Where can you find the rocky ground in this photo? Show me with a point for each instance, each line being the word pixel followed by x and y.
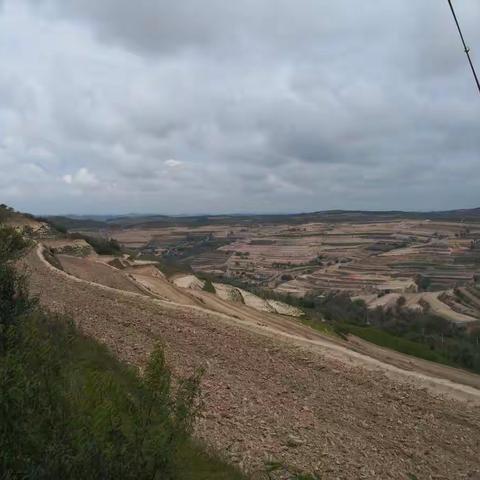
pixel 267 398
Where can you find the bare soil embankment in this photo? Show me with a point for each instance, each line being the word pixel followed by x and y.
pixel 88 269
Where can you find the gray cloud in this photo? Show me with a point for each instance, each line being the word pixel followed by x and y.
pixel 265 105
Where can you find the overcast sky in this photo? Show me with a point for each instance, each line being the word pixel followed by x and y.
pixel 214 106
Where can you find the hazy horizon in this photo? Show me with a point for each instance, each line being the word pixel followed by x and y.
pixel 238 213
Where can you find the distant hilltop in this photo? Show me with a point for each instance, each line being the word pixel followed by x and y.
pixel 130 220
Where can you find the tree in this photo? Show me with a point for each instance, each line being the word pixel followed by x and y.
pixel 208 286
pixel 423 282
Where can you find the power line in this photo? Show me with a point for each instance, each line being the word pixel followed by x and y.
pixel 467 49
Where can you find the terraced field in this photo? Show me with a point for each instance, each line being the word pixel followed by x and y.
pixel 275 389
pixel 370 258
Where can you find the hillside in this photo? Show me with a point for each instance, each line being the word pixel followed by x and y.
pixel 273 390
pixel 282 394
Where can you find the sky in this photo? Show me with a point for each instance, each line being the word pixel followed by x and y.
pixel 213 106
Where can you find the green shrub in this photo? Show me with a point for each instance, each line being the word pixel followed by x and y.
pixel 423 282
pixel 12 243
pixel 61 228
pixel 6 212
pixel 208 286
pixel 68 410
pixel 101 245
pixel 14 300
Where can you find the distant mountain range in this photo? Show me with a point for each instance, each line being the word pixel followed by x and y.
pixel 133 220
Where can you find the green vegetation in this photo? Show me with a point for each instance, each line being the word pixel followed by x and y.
pixel 423 283
pixel 323 327
pixel 421 334
pixel 56 226
pixel 70 410
pixel 170 266
pixel 59 227
pixel 208 286
pixel 5 212
pixel 403 345
pixel 14 300
pixel 101 245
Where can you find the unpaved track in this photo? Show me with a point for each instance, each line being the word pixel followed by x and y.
pixel 348 421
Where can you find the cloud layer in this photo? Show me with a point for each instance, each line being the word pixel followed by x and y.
pixel 213 106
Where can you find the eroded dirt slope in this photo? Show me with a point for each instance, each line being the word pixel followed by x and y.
pixel 87 268
pixel 269 398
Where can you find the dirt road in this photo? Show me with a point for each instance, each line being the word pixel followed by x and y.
pixel 274 393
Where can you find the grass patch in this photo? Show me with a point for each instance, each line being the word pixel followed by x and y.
pixel 399 344
pixel 208 286
pixel 321 327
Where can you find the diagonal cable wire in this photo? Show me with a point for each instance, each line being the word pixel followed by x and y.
pixel 467 49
